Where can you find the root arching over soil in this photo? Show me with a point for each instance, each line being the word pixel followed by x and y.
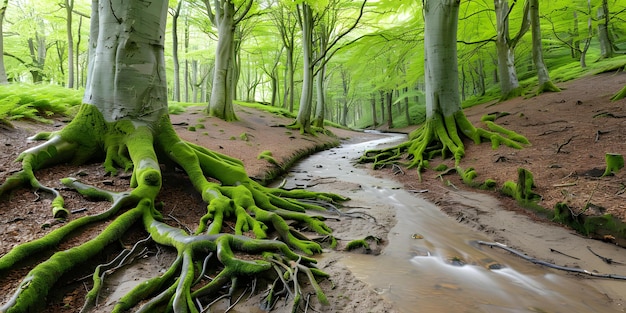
pixel 440 135
pixel 232 198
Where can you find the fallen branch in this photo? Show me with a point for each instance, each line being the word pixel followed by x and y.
pixel 563 145
pixel 548 264
pixel 551 131
pixel 604 259
pixel 565 254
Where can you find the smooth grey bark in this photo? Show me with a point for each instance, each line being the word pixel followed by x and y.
pixel 128 79
pixel 303 119
pixel 441 67
pixel 604 37
pixel 3 73
pixel 306 21
pixel 69 7
pixel 545 83
pixel 176 86
pixel 286 25
pixel 373 103
pixel 222 15
pixel 389 104
pixel 505 49
pixel 323 35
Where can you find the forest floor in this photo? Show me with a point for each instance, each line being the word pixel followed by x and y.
pixel 569 132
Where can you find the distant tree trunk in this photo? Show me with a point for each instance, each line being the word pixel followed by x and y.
pixel 320 108
pixel 345 84
pixel 175 14
pixel 373 103
pixel 69 6
pixel 382 106
pixel 79 73
pixel 574 41
pixel 186 74
pixel 545 84
pixel 322 38
pixel 290 84
pixel 606 45
pixel 3 73
pixel 406 107
pixel 389 98
pixel 194 81
pixel 37 48
pixel 505 50
pixel 583 52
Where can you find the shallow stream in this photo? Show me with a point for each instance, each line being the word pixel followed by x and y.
pixel 431 262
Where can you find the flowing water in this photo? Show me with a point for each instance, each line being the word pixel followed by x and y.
pixel 431 262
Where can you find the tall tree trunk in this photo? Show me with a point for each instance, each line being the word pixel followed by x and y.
pixel 221 103
pixel 3 73
pixel 175 14
pixel 383 117
pixel 128 81
pixel 186 73
pixel 69 6
pixel 303 119
pixel 545 84
pixel 407 116
pixel 322 38
pixel 320 108
pixel 606 45
pixel 441 67
pixel 373 103
pixel 505 50
pixel 389 98
pixel 79 72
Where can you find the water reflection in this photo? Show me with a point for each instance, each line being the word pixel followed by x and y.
pixel 431 263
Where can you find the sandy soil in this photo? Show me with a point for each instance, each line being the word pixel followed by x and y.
pixel 569 133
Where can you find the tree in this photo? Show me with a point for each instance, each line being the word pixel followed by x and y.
pixel 545 84
pixel 3 73
pixel 445 120
pixel 225 17
pixel 505 47
pixel 604 34
pixel 286 24
pixel 307 20
pixel 69 6
pixel 124 117
pixel 175 12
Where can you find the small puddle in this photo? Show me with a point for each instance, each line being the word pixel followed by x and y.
pixel 431 264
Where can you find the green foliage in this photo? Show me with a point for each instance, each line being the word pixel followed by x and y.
pixel 267 108
pixel 36 102
pixel 179 107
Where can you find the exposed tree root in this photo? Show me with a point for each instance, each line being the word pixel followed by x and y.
pixel 440 135
pixel 129 145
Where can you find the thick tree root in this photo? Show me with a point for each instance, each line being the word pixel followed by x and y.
pixel 440 135
pixel 255 209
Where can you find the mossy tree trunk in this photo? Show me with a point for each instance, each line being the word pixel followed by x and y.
pixel 445 120
pixel 124 117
